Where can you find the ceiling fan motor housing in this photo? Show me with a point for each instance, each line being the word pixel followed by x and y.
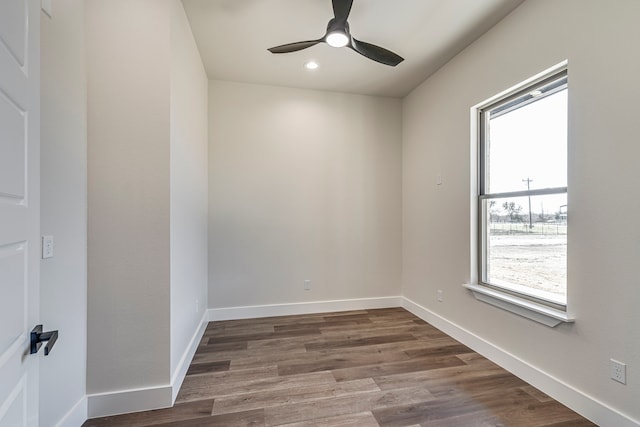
pixel 338 35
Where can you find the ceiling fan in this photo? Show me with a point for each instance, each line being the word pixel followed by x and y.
pixel 338 35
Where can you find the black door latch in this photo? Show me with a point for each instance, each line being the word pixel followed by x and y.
pixel 38 337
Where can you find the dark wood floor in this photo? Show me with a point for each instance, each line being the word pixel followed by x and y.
pixel 359 368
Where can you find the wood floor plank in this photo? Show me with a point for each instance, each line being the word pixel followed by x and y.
pixel 350 356
pixel 276 345
pixel 215 347
pixel 529 416
pixel 361 419
pixel 413 365
pixel 283 351
pixel 473 419
pixel 475 359
pixel 261 336
pixel 342 313
pixel 202 387
pixel 359 342
pixel 297 412
pixel 444 350
pixel 433 377
pixel 181 413
pixel 337 317
pixel 283 319
pixel 581 422
pixel 280 345
pixel 292 395
pixel 475 386
pixel 239 330
pixel 202 356
pixel 538 415
pixel 394 347
pixel 357 331
pixel 208 368
pixel 317 325
pixel 318 363
pixel 428 331
pixel 327 328
pixel 513 407
pixel 536 393
pixel 236 419
pixel 346 369
pixel 386 313
pixel 435 410
pixel 325 322
pixel 198 387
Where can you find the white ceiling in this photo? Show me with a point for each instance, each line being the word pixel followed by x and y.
pixel 233 37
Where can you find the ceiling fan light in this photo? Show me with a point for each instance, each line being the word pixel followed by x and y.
pixel 337 39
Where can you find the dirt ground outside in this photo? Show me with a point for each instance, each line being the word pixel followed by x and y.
pixel 535 258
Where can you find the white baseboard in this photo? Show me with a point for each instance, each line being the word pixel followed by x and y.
pixel 252 312
pixel 185 361
pixel 125 401
pixel 144 399
pixel 76 415
pixel 585 405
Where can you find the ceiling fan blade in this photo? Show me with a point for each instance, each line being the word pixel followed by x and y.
pixel 341 10
pixel 293 47
pixel 376 53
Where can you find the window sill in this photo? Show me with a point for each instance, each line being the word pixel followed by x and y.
pixel 537 312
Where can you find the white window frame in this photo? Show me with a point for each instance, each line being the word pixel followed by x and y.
pixel 540 310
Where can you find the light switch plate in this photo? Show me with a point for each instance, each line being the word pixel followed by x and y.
pixel 47 247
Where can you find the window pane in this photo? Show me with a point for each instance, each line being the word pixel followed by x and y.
pixel 526 250
pixel 527 147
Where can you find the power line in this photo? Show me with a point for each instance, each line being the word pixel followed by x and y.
pixel 529 181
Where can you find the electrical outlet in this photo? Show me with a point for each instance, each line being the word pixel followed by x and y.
pixel 197 306
pixel 439 295
pixel 307 285
pixel 618 371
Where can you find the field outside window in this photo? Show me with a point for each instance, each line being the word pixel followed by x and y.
pixel 523 192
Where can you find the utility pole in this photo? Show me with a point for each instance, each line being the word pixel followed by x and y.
pixel 529 181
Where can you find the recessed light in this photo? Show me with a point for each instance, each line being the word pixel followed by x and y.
pixel 535 93
pixel 311 65
pixel 337 39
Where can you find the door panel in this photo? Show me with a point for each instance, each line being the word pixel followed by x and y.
pixel 14 411
pixel 12 304
pixel 12 163
pixel 19 209
pixel 13 28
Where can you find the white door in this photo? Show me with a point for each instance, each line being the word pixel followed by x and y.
pixel 19 209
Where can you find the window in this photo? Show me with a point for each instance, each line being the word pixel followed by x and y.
pixel 522 198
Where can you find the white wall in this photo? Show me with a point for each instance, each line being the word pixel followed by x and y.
pixel 188 199
pixel 598 39
pixel 302 185
pixel 147 106
pixel 128 59
pixel 63 279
